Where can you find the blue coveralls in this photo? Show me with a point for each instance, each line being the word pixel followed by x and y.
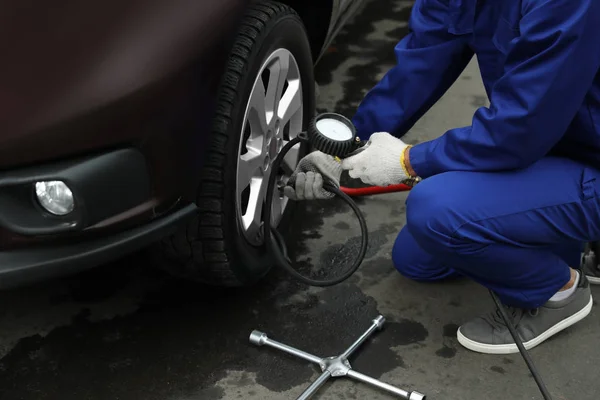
pixel 509 200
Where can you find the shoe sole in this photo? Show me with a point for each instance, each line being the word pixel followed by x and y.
pixel 512 348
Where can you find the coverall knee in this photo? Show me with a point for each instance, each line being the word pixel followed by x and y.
pixel 514 232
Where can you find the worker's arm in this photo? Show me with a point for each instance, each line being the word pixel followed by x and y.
pixel 550 67
pixel 429 59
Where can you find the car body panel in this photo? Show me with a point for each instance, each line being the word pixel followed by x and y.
pixel 75 58
pixel 87 76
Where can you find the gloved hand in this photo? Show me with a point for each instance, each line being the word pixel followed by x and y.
pixel 306 183
pixel 379 162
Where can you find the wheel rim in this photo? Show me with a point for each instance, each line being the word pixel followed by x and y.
pixel 273 116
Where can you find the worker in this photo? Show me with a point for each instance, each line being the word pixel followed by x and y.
pixel 509 200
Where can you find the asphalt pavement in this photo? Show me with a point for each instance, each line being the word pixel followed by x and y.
pixel 125 331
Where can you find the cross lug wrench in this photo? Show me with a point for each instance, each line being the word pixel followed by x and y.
pixel 336 366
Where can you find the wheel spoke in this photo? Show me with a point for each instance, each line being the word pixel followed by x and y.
pixel 291 102
pixel 277 78
pixel 257 113
pixel 253 217
pixel 291 159
pixel 248 165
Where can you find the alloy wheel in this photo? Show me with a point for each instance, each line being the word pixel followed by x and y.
pixel 273 116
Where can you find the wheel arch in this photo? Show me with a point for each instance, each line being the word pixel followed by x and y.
pixel 317 18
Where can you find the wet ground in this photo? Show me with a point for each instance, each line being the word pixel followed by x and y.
pixel 126 332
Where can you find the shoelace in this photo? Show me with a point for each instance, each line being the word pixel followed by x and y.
pixel 515 314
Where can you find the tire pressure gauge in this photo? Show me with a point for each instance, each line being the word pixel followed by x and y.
pixel 333 134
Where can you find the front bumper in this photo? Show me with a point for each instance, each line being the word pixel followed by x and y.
pixel 28 265
pixel 116 212
pixel 104 186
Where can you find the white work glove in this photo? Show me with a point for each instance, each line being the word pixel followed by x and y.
pixel 378 163
pixel 306 183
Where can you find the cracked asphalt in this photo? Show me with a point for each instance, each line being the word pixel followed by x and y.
pixel 125 331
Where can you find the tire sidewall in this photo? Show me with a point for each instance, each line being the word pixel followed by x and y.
pixel 249 262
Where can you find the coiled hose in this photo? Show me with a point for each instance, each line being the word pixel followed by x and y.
pixel 274 241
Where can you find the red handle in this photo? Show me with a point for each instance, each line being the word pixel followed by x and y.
pixel 371 190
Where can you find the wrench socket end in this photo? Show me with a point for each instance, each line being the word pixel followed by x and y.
pixel 258 338
pixel 416 396
pixel 379 321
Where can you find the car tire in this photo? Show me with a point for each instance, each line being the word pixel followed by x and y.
pixel 217 248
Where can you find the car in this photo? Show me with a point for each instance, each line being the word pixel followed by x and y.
pixel 127 126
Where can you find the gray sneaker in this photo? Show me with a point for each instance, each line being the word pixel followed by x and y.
pixel 489 334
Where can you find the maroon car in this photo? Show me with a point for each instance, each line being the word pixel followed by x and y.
pixel 131 123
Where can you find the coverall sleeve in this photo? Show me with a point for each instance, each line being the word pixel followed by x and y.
pixel 428 60
pixel 549 69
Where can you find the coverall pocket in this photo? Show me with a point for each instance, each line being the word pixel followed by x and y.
pixel 589 183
